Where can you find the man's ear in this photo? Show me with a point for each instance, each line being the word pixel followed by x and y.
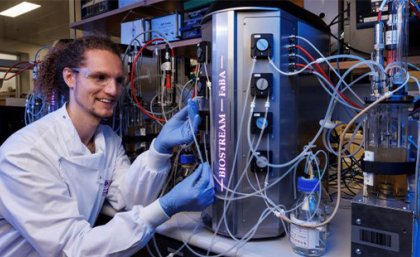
pixel 69 77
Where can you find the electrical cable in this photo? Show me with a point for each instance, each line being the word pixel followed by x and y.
pixel 332 68
pixel 320 77
pixel 28 66
pixel 334 95
pixel 343 175
pixel 133 88
pixel 332 22
pixel 326 76
pixel 380 10
pixel 350 47
pixel 322 84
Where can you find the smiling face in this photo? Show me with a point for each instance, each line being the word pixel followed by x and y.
pixel 96 85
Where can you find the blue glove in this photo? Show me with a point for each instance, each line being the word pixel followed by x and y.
pixel 194 193
pixel 177 130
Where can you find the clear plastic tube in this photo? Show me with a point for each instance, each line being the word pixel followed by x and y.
pixel 380 69
pixel 322 78
pixel 235 155
pixel 327 144
pixel 333 95
pixel 414 67
pixel 338 97
pixel 246 195
pixel 306 148
pixel 417 82
pixel 330 65
pixel 364 111
pixel 261 191
pixel 381 7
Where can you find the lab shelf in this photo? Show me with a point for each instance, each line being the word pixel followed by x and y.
pixel 109 22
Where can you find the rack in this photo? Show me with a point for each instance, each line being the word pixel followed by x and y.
pixel 109 22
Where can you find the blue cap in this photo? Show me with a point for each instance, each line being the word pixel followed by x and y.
pixel 187 159
pixel 308 184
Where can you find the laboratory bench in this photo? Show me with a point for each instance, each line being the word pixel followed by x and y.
pixel 180 228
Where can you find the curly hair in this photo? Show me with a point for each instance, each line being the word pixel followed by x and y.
pixel 67 53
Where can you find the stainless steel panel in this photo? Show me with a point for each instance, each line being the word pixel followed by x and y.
pixel 231 71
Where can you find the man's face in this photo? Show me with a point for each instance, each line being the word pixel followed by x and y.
pixel 98 84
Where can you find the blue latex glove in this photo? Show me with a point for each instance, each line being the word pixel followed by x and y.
pixel 194 193
pixel 177 130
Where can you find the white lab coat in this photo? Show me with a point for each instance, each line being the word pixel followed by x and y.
pixel 52 189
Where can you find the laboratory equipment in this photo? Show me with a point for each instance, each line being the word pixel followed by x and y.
pixel 187 163
pixel 91 8
pixel 130 29
pixel 311 210
pixel 244 36
pixel 384 216
pixel 168 26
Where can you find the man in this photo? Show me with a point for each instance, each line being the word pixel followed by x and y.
pixel 56 173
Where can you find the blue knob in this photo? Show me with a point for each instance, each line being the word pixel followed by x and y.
pixel 262 44
pixel 262 123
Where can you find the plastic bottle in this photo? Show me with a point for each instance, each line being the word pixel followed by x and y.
pixel 310 210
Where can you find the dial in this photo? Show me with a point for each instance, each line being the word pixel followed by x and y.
pixel 262 84
pixel 262 44
pixel 261 162
pixel 262 123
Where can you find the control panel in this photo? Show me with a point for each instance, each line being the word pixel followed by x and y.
pixel 261 84
pixel 261 45
pixel 260 164
pixel 259 122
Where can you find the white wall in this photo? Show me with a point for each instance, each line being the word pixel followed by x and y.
pixel 328 7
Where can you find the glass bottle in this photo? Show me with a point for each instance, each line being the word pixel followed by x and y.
pixel 309 210
pixel 187 164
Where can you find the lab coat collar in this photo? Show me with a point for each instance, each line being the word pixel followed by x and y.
pixel 77 152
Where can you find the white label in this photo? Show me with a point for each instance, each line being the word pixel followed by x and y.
pixel 307 238
pixel 142 131
pixel 368 178
pixel 369 156
pixel 374 18
pixel 391 37
pixel 369 19
pixel 166 66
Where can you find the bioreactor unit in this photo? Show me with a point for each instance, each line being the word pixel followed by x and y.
pixel 385 216
pixel 255 111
